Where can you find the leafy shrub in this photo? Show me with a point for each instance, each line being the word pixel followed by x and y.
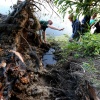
pixel 88 45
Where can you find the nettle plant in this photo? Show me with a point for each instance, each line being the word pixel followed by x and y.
pixel 88 45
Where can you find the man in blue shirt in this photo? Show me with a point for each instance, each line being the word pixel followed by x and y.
pixel 76 27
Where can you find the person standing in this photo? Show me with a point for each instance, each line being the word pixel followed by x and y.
pixel 92 20
pixel 76 27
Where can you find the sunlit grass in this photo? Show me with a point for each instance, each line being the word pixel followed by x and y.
pixel 62 38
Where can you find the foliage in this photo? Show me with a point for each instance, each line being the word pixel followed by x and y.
pixel 78 6
pixel 88 45
pixel 92 71
pixel 89 67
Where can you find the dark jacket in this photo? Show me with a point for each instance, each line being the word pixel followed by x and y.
pixel 76 26
pixel 86 20
pixel 85 23
pixel 97 25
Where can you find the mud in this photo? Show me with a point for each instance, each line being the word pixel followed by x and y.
pixel 22 73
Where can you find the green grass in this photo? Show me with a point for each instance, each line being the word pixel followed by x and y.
pixel 88 45
pixel 61 38
pixel 57 38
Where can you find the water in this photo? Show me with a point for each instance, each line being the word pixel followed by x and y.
pixel 66 25
pixel 48 58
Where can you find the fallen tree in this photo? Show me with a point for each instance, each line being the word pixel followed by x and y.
pixel 17 41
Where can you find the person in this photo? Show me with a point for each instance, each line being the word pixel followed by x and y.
pixel 76 27
pixel 97 25
pixel 85 23
pixel 92 20
pixel 47 24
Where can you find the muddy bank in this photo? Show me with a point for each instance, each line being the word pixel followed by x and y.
pixel 60 82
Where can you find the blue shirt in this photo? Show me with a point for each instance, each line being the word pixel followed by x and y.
pixel 76 28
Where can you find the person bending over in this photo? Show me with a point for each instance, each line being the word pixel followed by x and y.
pixel 47 24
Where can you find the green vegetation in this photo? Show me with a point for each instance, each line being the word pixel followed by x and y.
pixel 91 69
pixel 78 6
pixel 88 45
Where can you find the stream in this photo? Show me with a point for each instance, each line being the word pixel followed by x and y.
pixel 48 58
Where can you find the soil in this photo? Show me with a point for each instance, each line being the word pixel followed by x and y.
pixel 62 81
pixel 22 73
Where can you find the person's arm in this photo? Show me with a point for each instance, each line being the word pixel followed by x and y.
pixel 52 27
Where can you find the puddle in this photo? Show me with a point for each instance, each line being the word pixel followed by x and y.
pixel 48 58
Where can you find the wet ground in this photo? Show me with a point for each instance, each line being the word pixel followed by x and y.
pixel 49 58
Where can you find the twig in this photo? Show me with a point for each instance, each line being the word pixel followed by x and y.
pixel 26 42
pixel 36 6
pixel 41 4
pixel 52 9
pixel 80 66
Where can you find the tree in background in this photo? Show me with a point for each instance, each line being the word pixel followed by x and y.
pixel 83 7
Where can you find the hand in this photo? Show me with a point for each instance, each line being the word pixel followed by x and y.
pixel 61 29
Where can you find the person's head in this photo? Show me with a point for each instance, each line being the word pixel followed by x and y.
pixel 50 22
pixel 94 16
pixel 71 17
